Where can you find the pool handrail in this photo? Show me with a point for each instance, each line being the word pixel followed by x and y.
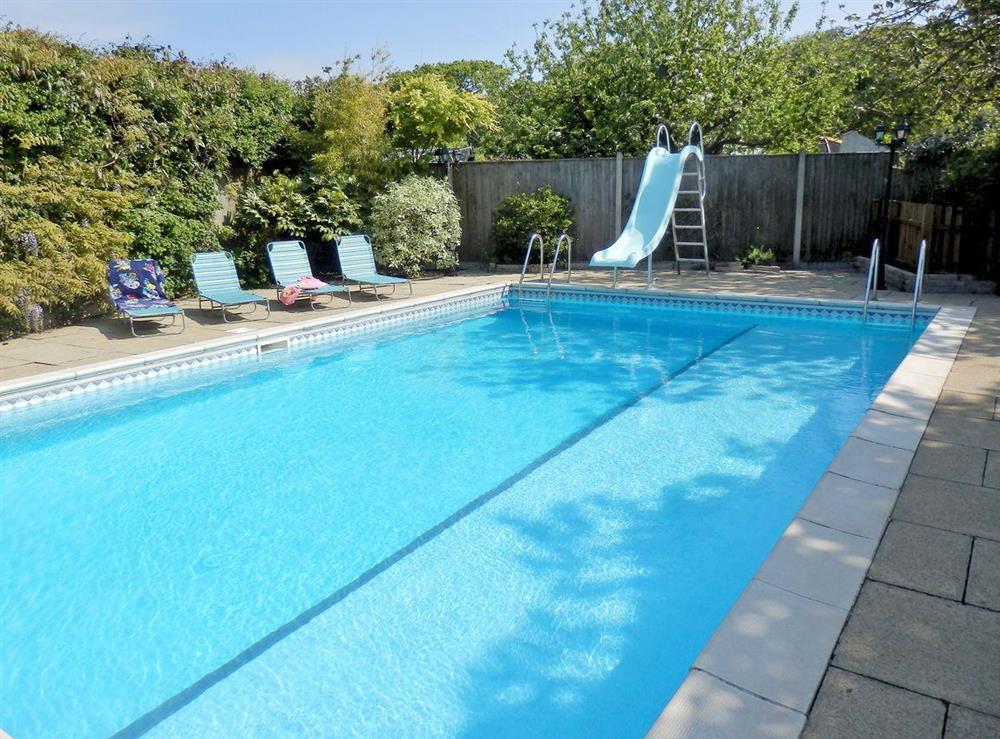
pixel 871 282
pixel 569 261
pixel 918 280
pixel 535 236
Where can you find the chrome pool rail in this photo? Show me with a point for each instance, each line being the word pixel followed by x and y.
pixel 696 129
pixel 918 280
pixel 662 128
pixel 871 284
pixel 569 261
pixel 527 255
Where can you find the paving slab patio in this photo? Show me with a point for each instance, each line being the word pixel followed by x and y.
pixel 953 506
pixel 991 475
pixel 955 462
pixel 925 644
pixel 922 558
pixel 850 706
pixel 984 576
pixel 925 629
pixel 965 724
pixel 968 405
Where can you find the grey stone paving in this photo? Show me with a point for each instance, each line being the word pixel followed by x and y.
pixel 922 558
pixel 919 655
pixel 984 575
pixel 950 461
pixel 925 644
pixel 966 724
pixel 855 707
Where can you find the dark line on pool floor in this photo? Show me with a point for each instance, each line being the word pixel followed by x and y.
pixel 177 701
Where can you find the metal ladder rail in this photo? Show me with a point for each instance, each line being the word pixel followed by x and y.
pixel 871 281
pixel 527 255
pixel 693 133
pixel 569 262
pixel 918 280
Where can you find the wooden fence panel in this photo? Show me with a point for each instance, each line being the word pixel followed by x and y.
pixel 750 200
pixel 839 190
pixel 589 183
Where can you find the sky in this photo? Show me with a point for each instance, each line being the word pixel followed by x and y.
pixel 297 38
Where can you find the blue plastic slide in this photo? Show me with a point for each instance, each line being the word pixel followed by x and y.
pixel 654 202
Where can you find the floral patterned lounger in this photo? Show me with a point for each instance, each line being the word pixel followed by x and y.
pixel 136 287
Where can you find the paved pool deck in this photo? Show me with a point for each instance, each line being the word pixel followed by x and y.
pixel 919 655
pixel 104 339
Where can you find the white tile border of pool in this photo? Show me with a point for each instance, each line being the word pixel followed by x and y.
pixel 46 387
pixel 60 384
pixel 882 311
pixel 760 671
pixel 761 668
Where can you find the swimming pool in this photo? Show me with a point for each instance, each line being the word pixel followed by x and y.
pixel 513 521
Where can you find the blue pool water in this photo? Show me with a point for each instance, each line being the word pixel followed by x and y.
pixel 517 524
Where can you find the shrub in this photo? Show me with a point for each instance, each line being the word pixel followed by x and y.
pixel 116 153
pixel 415 226
pixel 518 216
pixel 277 206
pixel 59 224
pixel 757 255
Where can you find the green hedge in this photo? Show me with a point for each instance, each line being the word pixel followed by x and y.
pixel 117 153
pixel 518 216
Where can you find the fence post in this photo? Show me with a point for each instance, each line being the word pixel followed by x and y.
pixel 800 192
pixel 618 195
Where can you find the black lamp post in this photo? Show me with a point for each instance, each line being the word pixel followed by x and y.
pixel 893 139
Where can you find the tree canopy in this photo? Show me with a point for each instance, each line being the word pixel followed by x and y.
pixel 133 149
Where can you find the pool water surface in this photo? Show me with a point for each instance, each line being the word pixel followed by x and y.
pixel 524 522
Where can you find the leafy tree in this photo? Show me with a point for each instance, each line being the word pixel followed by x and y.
pixel 937 61
pixel 477 76
pixel 597 81
pixel 347 136
pixel 426 113
pixel 117 152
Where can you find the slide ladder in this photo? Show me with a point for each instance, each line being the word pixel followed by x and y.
pixel 671 195
pixel 689 231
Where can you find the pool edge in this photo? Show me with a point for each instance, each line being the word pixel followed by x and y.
pixel 788 618
pixel 45 387
pixel 60 384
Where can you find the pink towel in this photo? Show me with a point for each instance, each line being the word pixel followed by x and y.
pixel 309 283
pixel 289 295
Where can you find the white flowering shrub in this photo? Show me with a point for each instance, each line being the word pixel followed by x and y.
pixel 415 226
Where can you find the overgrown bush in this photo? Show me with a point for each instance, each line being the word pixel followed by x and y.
pixel 278 206
pixel 59 225
pixel 415 226
pixel 518 216
pixel 116 153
